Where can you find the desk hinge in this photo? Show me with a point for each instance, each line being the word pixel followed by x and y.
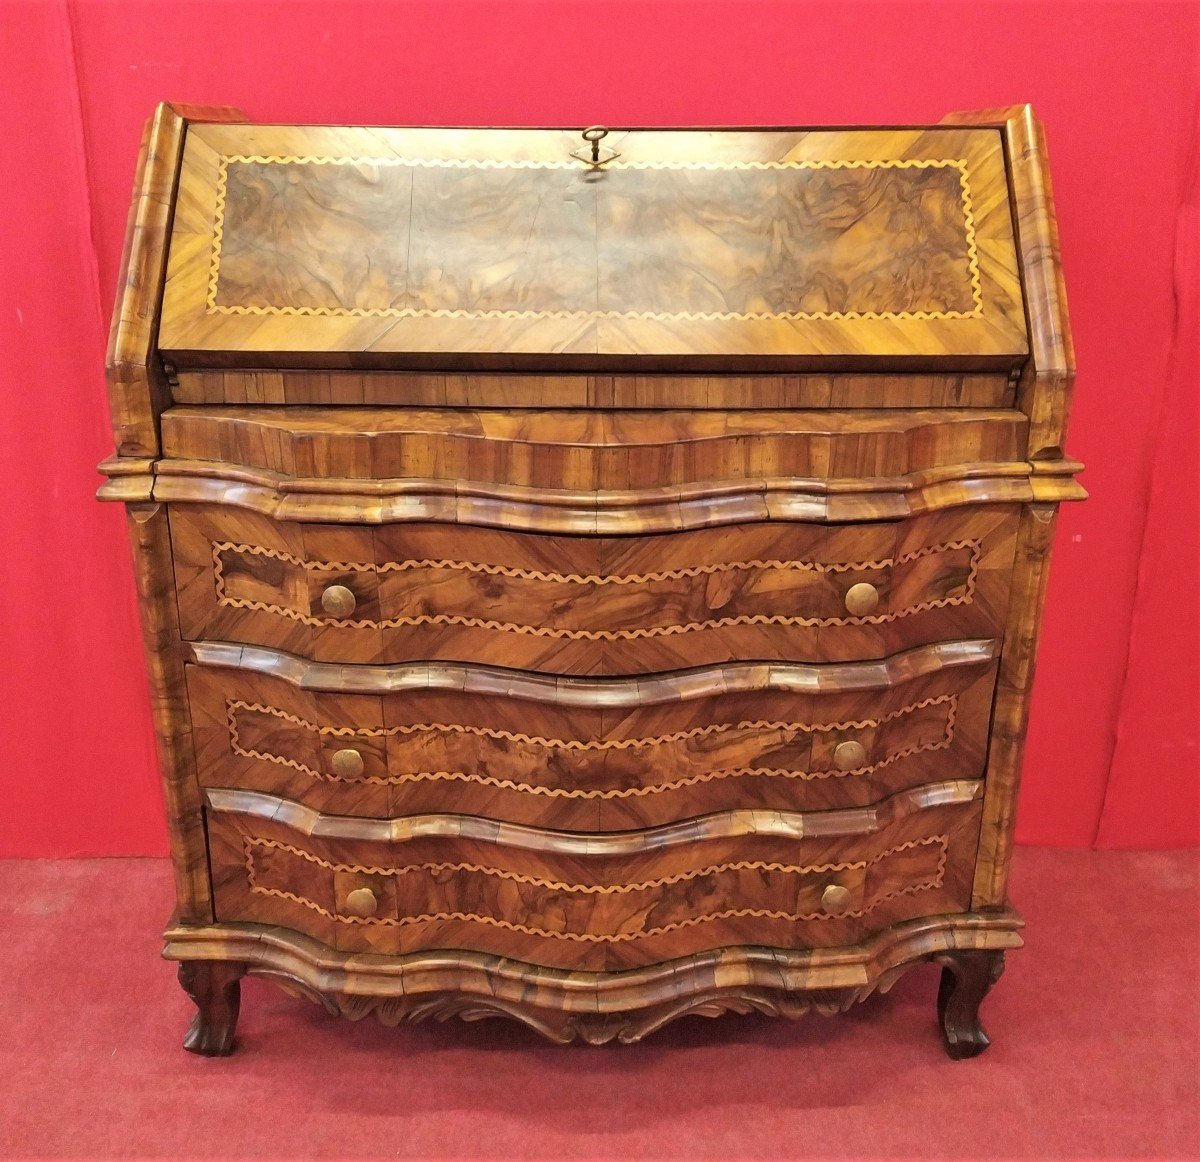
pixel 171 372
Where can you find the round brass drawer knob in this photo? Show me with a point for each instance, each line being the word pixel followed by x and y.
pixel 849 755
pixel 362 902
pixel 338 601
pixel 862 598
pixel 835 899
pixel 348 763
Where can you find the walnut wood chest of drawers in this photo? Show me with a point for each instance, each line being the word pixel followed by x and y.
pixel 590 578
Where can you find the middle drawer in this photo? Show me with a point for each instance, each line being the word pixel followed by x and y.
pixel 591 605
pixel 608 754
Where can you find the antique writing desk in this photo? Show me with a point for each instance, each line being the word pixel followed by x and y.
pixel 590 578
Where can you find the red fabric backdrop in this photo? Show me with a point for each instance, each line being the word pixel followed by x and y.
pixel 1116 86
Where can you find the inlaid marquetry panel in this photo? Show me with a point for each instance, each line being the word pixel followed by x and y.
pixel 328 246
pixel 578 257
pixel 605 763
pixel 546 900
pixel 590 605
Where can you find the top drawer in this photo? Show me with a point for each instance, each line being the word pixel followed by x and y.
pixel 816 256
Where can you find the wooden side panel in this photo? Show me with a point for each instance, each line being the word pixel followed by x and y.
pixel 150 539
pixel 1046 383
pixel 1011 716
pixel 137 387
pixel 1048 379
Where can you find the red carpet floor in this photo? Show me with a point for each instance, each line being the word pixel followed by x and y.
pixel 1095 1031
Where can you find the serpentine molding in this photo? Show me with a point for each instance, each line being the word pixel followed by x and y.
pixel 719 825
pixel 592 1007
pixel 594 693
pixel 534 509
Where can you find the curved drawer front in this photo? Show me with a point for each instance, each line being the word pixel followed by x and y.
pixel 609 754
pixel 558 899
pixel 775 591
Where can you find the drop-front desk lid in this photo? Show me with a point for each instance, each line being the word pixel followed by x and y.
pixel 781 249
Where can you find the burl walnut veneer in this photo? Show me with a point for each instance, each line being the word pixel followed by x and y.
pixel 590 579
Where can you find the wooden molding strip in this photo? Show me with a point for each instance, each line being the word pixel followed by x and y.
pixel 280 954
pixel 648 690
pixel 722 825
pixel 595 512
pixel 175 474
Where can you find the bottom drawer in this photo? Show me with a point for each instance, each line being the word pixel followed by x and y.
pixel 569 900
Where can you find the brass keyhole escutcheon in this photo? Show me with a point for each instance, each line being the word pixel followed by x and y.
pixel 594 155
pixel 595 134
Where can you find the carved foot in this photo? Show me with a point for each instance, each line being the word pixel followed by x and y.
pixel 966 978
pixel 215 987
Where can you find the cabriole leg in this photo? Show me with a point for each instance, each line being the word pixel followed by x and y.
pixel 215 987
pixel 966 978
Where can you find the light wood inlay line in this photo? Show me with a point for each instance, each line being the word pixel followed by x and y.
pixel 970 256
pixel 782 729
pixel 964 597
pixel 527 508
pixel 934 881
pixel 518 573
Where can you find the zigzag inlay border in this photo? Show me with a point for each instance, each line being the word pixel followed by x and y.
pixel 975 546
pixel 934 881
pixel 233 706
pixel 211 306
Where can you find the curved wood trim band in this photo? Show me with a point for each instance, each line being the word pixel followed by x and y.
pixel 595 513
pixel 276 952
pixel 650 690
pixel 722 825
